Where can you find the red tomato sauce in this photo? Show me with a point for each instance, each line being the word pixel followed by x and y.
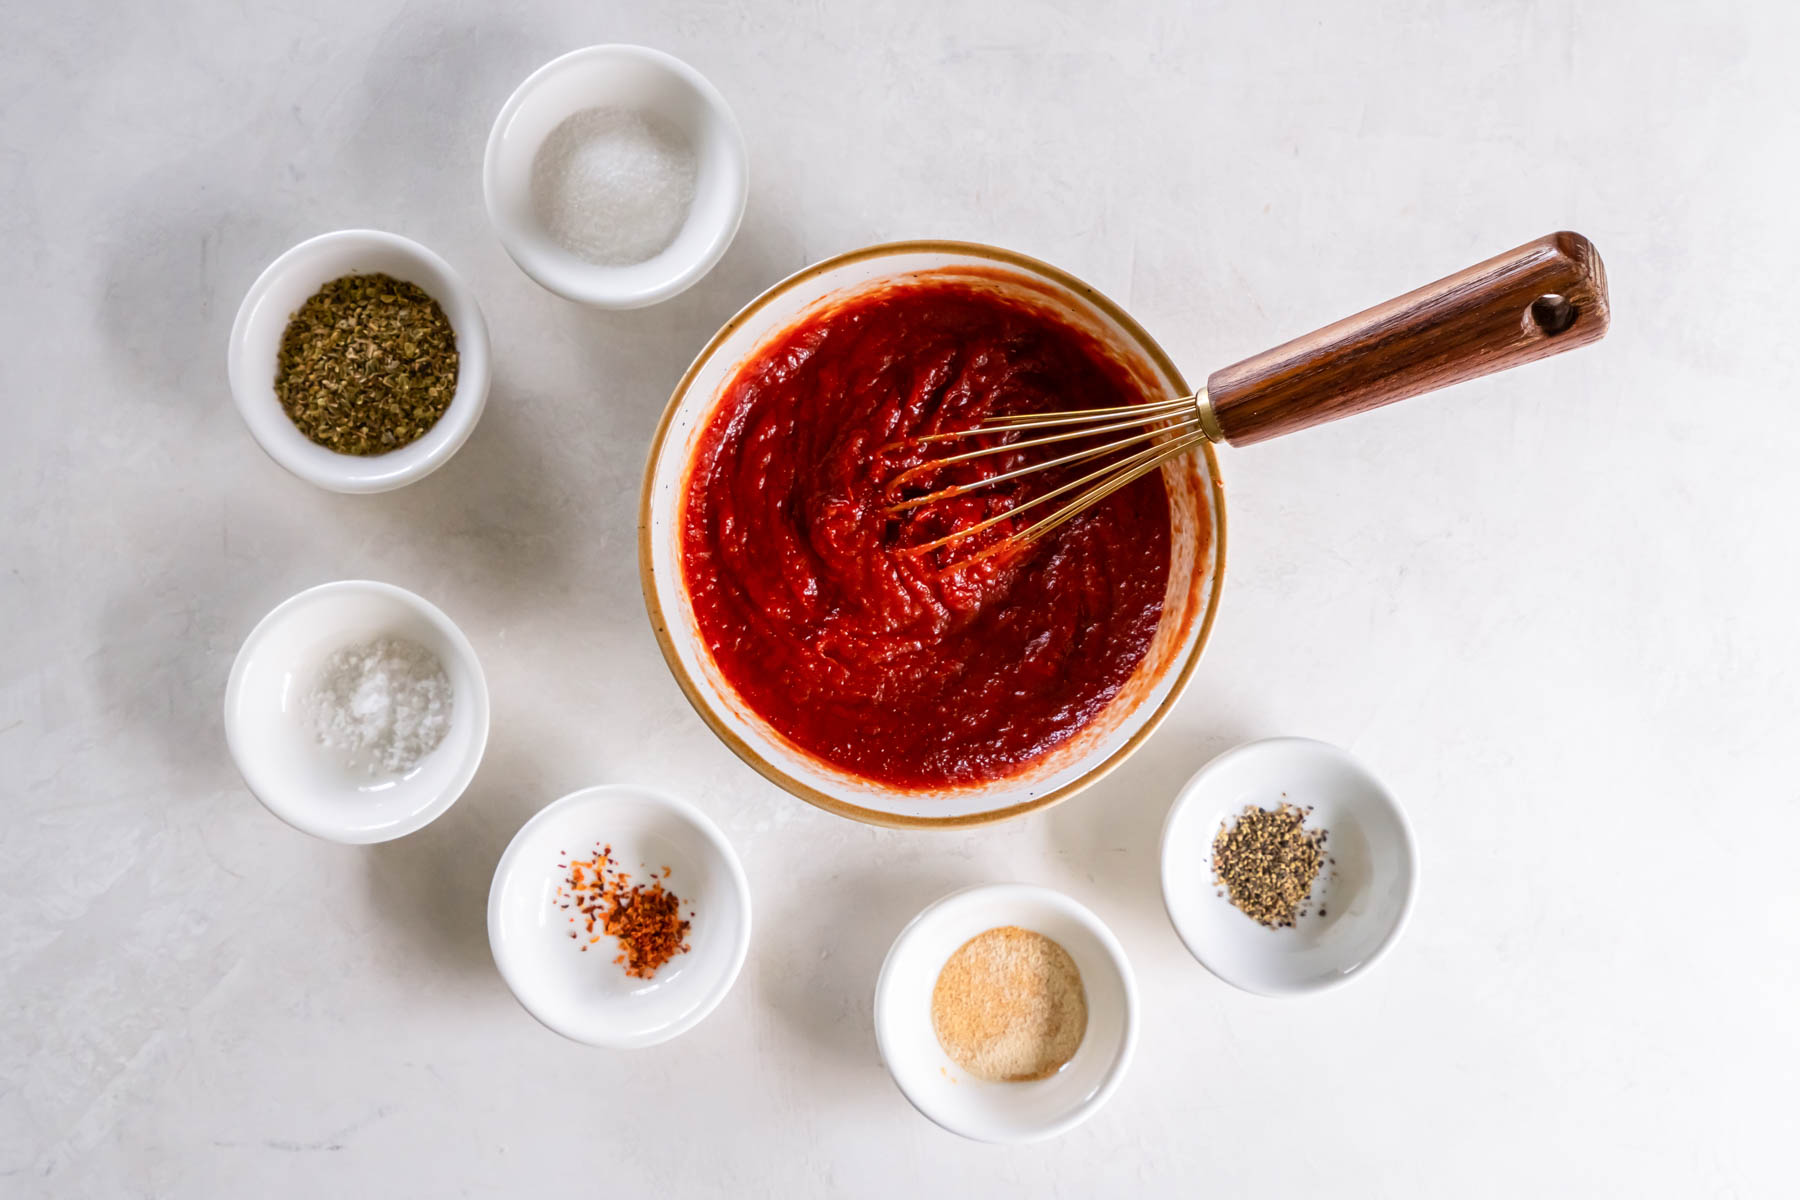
pixel 915 670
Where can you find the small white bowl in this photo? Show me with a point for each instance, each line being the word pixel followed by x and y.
pixel 585 996
pixel 628 77
pixel 1366 887
pixel 1004 1112
pixel 262 319
pixel 280 758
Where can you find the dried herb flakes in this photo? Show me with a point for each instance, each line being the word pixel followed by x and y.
pixel 367 365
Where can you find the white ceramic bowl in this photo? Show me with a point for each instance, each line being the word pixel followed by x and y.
pixel 1004 1112
pixel 1367 892
pixel 278 293
pixel 628 77
pixel 279 757
pixel 585 996
pixel 1197 550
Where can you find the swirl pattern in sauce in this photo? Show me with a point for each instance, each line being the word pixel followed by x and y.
pixel 916 671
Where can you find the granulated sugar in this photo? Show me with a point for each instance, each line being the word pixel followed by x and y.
pixel 384 705
pixel 614 185
pixel 1009 1006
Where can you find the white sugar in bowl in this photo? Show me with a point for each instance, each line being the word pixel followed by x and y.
pixel 637 83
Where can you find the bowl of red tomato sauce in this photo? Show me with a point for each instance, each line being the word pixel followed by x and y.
pixel 822 631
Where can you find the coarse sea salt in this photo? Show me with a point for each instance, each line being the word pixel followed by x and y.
pixel 384 705
pixel 614 185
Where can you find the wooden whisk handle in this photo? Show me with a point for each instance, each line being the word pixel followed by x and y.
pixel 1543 298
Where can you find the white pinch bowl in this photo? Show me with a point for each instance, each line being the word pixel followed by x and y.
pixel 1004 1112
pixel 587 997
pixel 634 77
pixel 262 319
pixel 1366 887
pixel 280 758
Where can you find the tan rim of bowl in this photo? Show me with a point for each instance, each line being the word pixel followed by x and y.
pixel 768 770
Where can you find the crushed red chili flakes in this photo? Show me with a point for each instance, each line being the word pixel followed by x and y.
pixel 645 918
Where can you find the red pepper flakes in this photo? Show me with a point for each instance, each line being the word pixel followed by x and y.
pixel 646 919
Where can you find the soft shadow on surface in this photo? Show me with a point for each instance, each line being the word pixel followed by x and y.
pixel 819 979
pixel 651 347
pixel 507 519
pixel 1112 833
pixel 163 647
pixel 429 96
pixel 181 260
pixel 432 886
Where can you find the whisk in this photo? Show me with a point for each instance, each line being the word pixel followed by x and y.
pixel 1540 299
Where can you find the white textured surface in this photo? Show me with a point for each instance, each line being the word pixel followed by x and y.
pixel 1555 611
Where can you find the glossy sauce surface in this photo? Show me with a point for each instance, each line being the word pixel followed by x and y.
pixel 915 670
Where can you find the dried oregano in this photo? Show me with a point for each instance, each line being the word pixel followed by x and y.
pixel 367 365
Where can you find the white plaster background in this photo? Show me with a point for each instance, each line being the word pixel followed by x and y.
pixel 1558 611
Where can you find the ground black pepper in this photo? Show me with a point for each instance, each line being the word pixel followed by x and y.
pixel 1267 861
